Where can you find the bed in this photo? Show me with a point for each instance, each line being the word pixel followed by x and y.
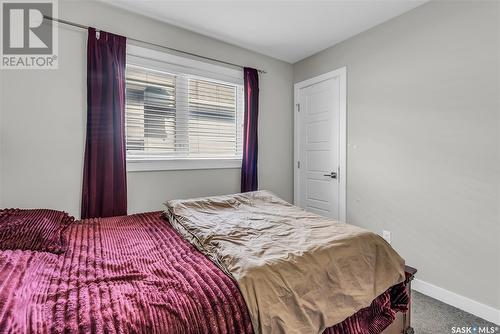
pixel 137 274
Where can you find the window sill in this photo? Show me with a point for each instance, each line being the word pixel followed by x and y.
pixel 145 165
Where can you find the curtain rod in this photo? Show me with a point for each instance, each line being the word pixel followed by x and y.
pixel 81 26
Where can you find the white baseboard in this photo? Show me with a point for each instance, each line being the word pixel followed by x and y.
pixel 466 304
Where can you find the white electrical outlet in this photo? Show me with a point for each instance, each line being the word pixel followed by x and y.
pixel 386 235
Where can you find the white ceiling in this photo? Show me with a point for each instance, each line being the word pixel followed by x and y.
pixel 287 30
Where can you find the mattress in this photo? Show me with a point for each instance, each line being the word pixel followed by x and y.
pixel 135 274
pixel 292 266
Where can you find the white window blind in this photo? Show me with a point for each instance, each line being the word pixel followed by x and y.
pixel 179 115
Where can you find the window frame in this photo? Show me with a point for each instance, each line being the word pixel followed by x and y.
pixel 170 63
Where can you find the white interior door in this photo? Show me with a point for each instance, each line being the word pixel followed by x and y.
pixel 319 136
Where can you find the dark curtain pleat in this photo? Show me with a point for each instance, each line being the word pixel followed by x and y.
pixel 250 138
pixel 104 191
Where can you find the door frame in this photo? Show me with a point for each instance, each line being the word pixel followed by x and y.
pixel 340 73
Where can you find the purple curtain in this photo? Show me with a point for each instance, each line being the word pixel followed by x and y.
pixel 250 140
pixel 104 191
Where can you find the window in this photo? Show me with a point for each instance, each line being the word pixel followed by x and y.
pixel 181 113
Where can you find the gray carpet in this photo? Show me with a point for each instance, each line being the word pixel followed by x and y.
pixel 430 316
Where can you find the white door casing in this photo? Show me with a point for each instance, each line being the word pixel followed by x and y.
pixel 320 144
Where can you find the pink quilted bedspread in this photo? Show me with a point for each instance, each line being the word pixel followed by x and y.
pixel 135 274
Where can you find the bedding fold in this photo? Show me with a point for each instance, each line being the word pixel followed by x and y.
pixel 298 272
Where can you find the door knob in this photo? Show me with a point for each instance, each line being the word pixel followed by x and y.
pixel 333 175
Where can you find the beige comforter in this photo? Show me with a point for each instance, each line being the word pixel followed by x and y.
pixel 298 272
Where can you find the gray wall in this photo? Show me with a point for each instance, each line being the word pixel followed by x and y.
pixel 42 136
pixel 423 137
